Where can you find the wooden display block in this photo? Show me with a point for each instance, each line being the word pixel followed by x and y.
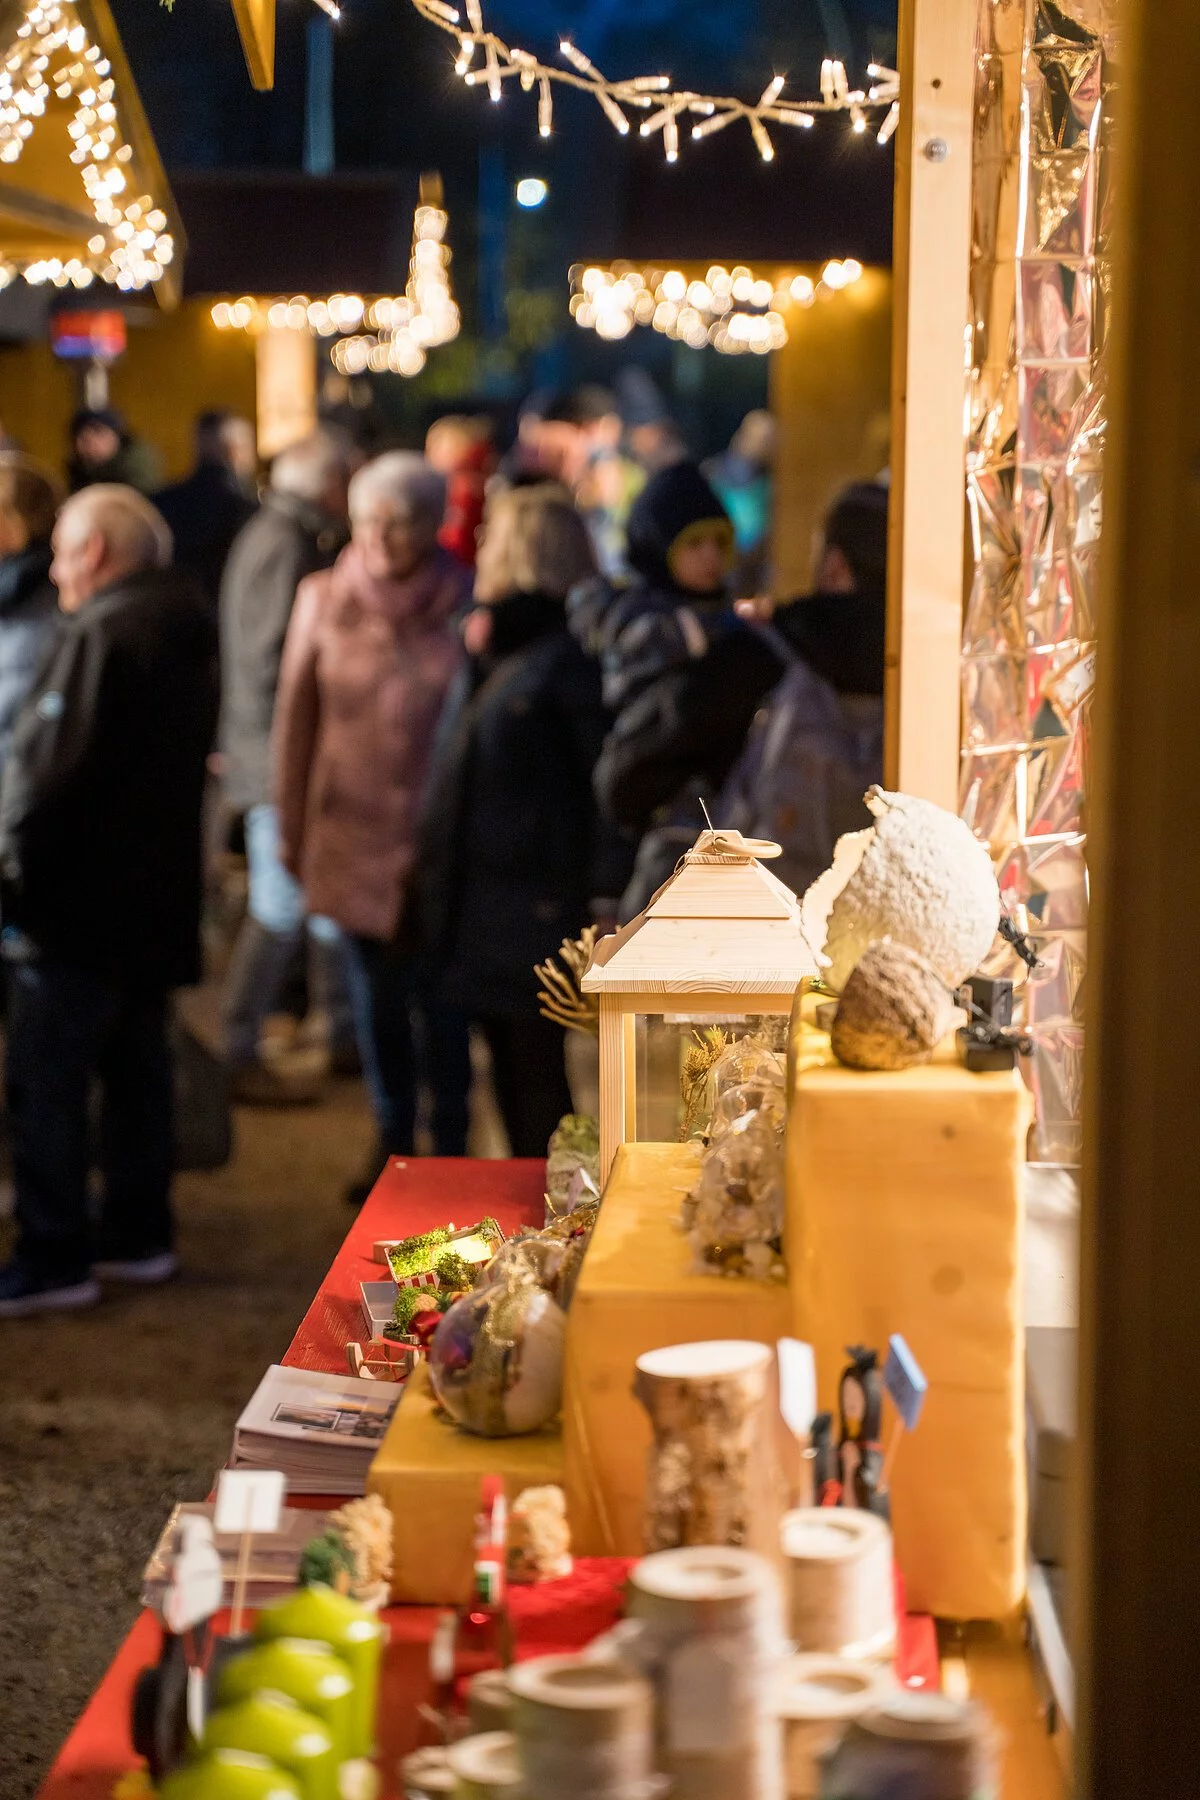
pixel 429 1472
pixel 637 1293
pixel 904 1214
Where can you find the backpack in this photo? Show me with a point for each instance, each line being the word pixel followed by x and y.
pixel 810 756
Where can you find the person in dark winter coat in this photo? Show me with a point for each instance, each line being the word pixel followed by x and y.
pixel 298 530
pixel 514 856
pixel 208 508
pixel 683 673
pixel 30 621
pixel 103 449
pixel 100 883
pixel 817 743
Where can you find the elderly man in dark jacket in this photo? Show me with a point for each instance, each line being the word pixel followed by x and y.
pixel 298 530
pixel 100 881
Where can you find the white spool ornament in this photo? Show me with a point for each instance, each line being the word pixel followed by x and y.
pixel 489 1701
pixel 926 1744
pixel 585 1729
pixel 711 1638
pixel 817 1696
pixel 484 1767
pixel 841 1595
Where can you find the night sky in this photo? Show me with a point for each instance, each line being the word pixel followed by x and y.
pixel 398 106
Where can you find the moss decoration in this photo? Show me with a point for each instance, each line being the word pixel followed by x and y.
pixel 414 1254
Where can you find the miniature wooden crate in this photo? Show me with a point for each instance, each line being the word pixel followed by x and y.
pixel 429 1473
pixel 904 1215
pixel 637 1292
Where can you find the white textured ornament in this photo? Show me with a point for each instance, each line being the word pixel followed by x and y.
pixel 920 877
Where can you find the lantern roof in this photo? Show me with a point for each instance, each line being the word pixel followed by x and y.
pixel 723 924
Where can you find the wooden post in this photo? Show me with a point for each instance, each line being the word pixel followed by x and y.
pixel 1138 1727
pixel 932 258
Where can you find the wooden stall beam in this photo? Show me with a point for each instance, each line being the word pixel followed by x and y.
pixel 932 257
pixel 1138 1725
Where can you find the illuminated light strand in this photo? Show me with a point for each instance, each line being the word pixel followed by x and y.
pixel 501 61
pixel 730 310
pixel 401 328
pixel 132 247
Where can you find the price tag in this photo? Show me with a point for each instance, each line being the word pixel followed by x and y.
pixel 249 1500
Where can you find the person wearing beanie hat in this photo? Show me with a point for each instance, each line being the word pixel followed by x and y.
pixel 104 449
pixel 683 673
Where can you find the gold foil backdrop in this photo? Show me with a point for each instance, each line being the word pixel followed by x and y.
pixel 1035 421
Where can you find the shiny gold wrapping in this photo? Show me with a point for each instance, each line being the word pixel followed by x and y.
pixel 1036 406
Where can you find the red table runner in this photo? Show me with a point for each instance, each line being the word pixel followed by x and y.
pixel 411 1196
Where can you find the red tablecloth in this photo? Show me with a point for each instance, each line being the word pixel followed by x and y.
pixel 410 1196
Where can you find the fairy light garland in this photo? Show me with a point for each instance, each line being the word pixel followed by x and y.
pixel 485 60
pixel 733 310
pixel 52 54
pixel 403 327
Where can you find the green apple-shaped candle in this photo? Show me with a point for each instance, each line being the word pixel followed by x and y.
pixel 229 1775
pixel 352 1632
pixel 273 1726
pixel 308 1673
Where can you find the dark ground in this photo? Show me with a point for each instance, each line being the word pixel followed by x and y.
pixel 108 1418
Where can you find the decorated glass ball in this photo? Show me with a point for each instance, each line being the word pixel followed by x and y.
pixel 496 1359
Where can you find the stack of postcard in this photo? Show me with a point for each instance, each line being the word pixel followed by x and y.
pixel 321 1430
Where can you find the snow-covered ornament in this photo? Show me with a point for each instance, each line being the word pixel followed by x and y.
pixel 920 877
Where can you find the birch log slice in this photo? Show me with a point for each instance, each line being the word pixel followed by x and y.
pixel 584 1727
pixel 707 1477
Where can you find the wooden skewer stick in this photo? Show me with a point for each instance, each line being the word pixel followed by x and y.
pixel 242 1576
pixel 889 1457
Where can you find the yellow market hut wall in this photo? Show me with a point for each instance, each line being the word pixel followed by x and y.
pixel 177 365
pixel 830 391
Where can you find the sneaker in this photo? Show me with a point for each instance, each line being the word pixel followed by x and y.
pixel 24 1292
pixel 256 1084
pixel 141 1271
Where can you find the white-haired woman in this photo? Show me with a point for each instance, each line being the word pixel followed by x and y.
pixel 370 653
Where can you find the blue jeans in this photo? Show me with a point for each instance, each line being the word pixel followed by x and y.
pixel 264 956
pixel 67 1028
pixel 406 1035
pixel 276 898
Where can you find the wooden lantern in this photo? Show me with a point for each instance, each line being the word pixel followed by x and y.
pixel 720 943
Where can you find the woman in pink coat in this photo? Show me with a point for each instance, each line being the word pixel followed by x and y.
pixel 371 649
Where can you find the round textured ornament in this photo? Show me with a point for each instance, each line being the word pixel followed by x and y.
pixel 496 1359
pixel 921 878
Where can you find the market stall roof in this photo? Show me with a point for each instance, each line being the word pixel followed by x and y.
pixel 47 214
pixel 267 232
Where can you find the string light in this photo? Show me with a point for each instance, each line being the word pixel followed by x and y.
pixel 401 329
pixel 132 248
pixel 733 310
pixel 502 60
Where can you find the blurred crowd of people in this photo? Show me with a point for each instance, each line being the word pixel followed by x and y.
pixel 458 704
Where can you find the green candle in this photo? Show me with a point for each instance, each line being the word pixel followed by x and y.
pixel 273 1726
pixel 229 1775
pixel 352 1632
pixel 307 1672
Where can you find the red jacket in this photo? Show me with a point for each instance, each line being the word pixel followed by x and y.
pixel 366 666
